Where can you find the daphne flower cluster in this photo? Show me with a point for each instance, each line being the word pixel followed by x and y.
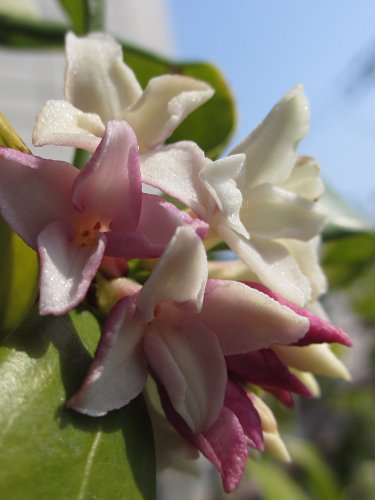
pixel 213 336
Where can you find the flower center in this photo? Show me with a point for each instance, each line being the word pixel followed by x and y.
pixel 87 237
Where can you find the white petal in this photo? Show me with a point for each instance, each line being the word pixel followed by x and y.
pixel 97 80
pixel 305 180
pixel 220 178
pixel 165 103
pixel 246 320
pixel 306 254
pixel 175 171
pixel 179 276
pixel 62 124
pixel 270 149
pixel 272 264
pixel 67 269
pixel 315 358
pixel 119 370
pixel 272 212
pixel 189 363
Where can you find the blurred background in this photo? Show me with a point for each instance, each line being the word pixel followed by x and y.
pixel 263 49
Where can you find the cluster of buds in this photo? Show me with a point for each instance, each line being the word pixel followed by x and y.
pixel 203 336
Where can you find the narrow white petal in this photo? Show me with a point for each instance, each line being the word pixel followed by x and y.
pixel 315 358
pixel 305 179
pixel 270 149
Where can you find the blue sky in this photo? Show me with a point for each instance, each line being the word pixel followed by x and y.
pixel 264 48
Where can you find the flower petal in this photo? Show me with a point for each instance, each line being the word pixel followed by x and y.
pixel 179 276
pixel 188 361
pixel 320 330
pixel 119 370
pixel 158 222
pixel 220 179
pixel 245 320
pixel 305 180
pixel 273 212
pixel 165 103
pixel 271 263
pixel 60 123
pixel 315 358
pixel 109 186
pixel 175 169
pixel 67 269
pixel 270 149
pixel 237 400
pixel 263 368
pixel 97 80
pixel 224 444
pixel 34 192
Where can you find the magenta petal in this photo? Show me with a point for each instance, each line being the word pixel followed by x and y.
pixel 320 330
pixel 189 363
pixel 34 192
pixel 67 269
pixel 224 444
pixel 109 186
pixel 238 401
pixel 264 368
pixel 158 222
pixel 119 370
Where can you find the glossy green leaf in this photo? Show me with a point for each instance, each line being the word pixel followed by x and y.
pixel 48 451
pixel 85 15
pixel 9 137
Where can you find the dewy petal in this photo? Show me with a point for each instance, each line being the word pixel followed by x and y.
pixel 270 149
pixel 34 192
pixel 271 263
pixel 158 222
pixel 189 363
pixel 175 170
pixel 272 212
pixel 67 269
pixel 220 178
pixel 97 80
pixel 119 370
pixel 305 180
pixel 315 358
pixel 165 103
pixel 246 320
pixel 180 275
pixel 60 123
pixel 109 186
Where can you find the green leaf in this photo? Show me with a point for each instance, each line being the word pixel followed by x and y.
pixel 273 482
pixel 9 137
pixel 19 279
pixel 321 481
pixel 85 15
pixel 48 451
pixel 31 34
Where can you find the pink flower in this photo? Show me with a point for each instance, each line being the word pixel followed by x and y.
pixel 74 218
